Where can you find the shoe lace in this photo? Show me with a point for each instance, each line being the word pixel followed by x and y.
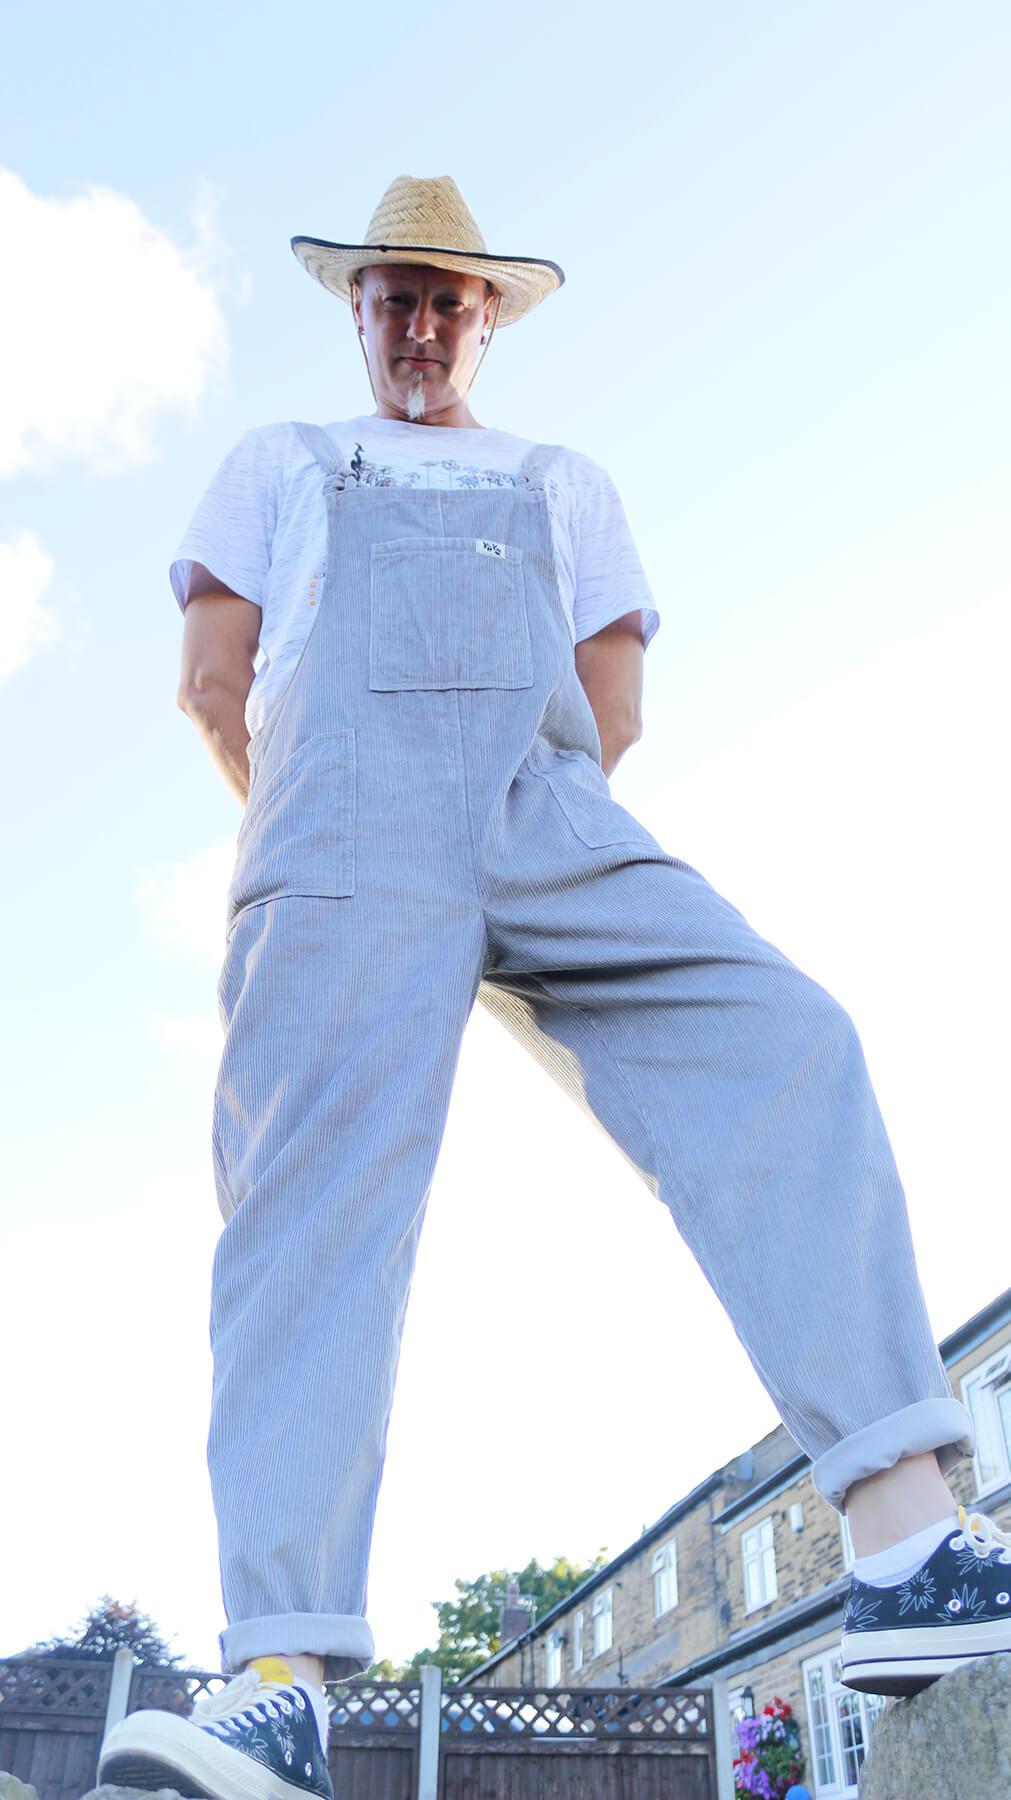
pixel 981 1535
pixel 247 1692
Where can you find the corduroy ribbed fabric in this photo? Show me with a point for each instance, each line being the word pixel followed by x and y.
pixel 427 818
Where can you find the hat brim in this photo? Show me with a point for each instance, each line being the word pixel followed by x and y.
pixel 522 281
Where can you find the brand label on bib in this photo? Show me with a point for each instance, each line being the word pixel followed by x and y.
pixel 488 548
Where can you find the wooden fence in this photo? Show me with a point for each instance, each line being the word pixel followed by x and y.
pixel 52 1718
pixel 490 1743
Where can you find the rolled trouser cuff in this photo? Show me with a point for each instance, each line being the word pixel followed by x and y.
pixel 943 1426
pixel 343 1640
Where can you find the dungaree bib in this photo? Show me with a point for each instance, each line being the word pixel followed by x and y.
pixel 441 659
pixel 427 817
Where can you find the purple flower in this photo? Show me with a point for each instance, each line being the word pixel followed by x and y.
pixel 749 1733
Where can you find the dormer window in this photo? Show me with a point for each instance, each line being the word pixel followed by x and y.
pixel 986 1391
pixel 664 1569
pixel 601 1613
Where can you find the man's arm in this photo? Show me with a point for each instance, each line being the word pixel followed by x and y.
pixel 221 632
pixel 609 665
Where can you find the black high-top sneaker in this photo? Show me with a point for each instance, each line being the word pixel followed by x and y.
pixel 956 1607
pixel 256 1740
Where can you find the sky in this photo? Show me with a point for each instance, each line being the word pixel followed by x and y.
pixel 784 333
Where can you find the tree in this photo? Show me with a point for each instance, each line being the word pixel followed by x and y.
pixel 469 1625
pixel 112 1626
pixel 380 1671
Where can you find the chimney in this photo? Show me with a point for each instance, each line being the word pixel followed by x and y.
pixel 514 1618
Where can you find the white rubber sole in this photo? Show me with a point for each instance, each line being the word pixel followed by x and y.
pixel 901 1662
pixel 159 1750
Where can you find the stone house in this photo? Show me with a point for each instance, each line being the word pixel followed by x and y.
pixel 741 1583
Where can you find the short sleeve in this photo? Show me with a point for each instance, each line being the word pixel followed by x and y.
pixel 610 579
pixel 233 526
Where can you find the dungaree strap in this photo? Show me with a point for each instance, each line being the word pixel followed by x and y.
pixel 320 445
pixel 534 466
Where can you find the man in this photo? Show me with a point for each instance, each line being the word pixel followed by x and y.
pixel 451 623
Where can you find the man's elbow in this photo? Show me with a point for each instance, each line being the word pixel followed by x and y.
pixel 628 728
pixel 203 693
pixel 617 735
pixel 192 698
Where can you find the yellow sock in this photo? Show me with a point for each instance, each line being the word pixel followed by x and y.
pixel 272 1668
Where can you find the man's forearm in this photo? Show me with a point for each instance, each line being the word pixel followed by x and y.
pixel 220 717
pixel 609 665
pixel 618 729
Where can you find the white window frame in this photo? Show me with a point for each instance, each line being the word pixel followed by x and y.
pixel 737 1707
pixel 835 1713
pixel 553 1660
pixel 664 1570
pixel 576 1642
pixel 758 1555
pixel 986 1391
pixel 602 1614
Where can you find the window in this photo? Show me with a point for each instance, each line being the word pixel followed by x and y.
pixel 740 1708
pixel 987 1393
pixel 664 1569
pixel 759 1566
pixel 577 1643
pixel 839 1723
pixel 553 1660
pixel 603 1623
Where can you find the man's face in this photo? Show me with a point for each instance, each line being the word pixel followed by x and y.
pixel 423 328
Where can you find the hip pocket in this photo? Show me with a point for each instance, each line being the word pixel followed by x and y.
pixel 298 834
pixel 579 786
pixel 448 613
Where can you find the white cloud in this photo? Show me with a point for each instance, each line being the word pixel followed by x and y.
pixel 104 324
pixel 184 902
pixel 25 571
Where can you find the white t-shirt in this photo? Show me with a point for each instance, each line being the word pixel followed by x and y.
pixel 261 528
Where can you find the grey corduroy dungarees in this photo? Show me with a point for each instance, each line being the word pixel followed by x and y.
pixel 427 813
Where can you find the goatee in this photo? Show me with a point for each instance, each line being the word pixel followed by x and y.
pixel 416 395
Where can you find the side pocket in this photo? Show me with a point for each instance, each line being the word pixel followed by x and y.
pixel 298 835
pixel 580 788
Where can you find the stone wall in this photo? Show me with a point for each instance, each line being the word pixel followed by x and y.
pixel 952 1742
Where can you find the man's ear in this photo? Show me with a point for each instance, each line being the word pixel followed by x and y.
pixel 356 304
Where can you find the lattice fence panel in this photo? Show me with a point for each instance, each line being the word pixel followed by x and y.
pixel 371 1706
pixel 648 1714
pixel 52 1688
pixel 171 1690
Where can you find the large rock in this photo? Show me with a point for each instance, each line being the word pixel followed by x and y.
pixel 108 1791
pixel 952 1742
pixel 13 1789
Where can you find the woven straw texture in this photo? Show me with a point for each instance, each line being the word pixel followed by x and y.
pixel 428 221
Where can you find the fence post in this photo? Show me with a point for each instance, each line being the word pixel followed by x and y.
pixel 119 1690
pixel 722 1739
pixel 429 1731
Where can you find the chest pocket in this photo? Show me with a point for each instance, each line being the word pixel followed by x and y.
pixel 448 613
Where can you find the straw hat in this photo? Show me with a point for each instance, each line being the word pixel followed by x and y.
pixel 428 222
